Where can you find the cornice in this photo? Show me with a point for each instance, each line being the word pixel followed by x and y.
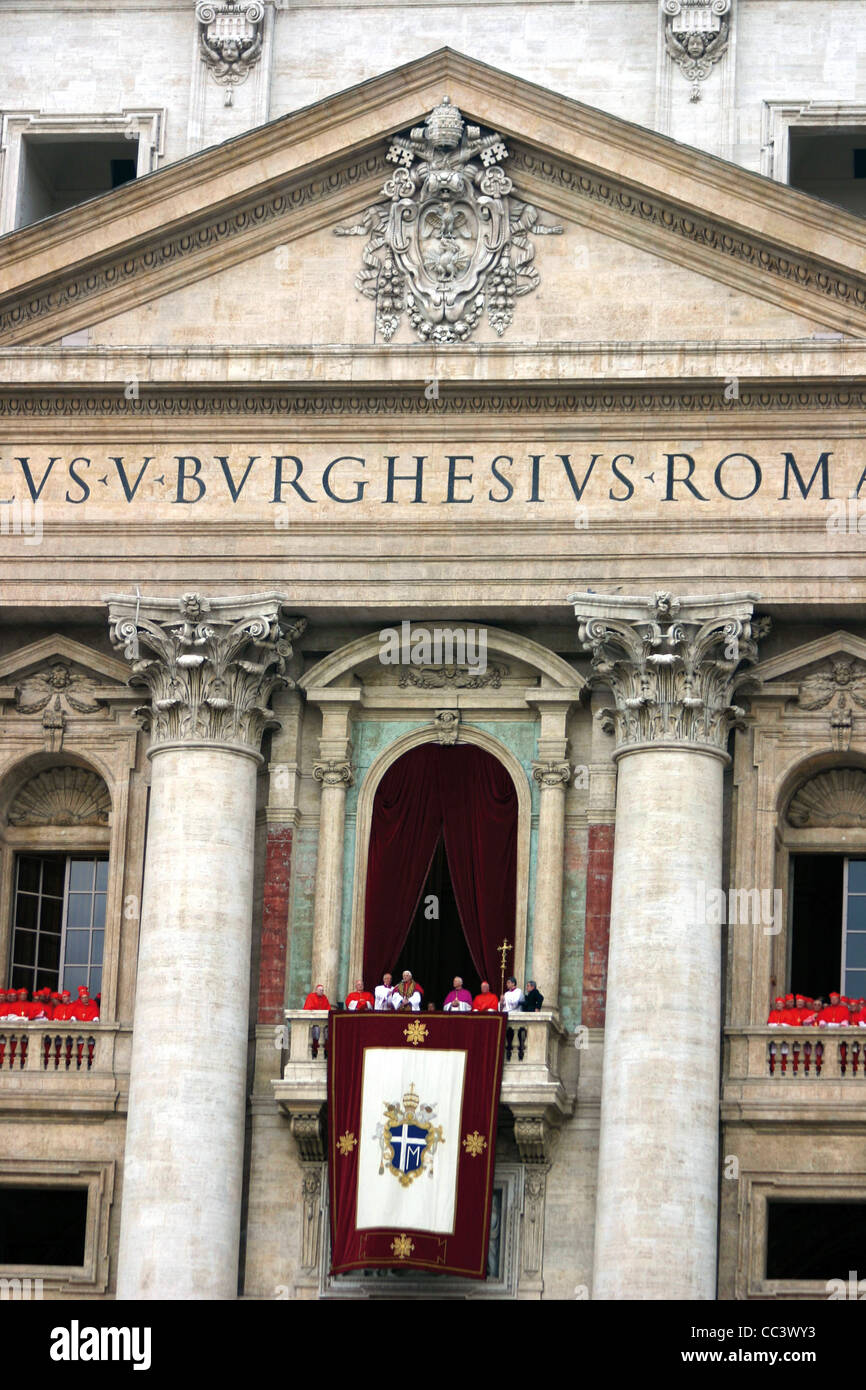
pixel 307 169
pixel 249 403
pixel 363 366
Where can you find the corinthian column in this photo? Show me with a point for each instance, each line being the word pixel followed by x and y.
pixel 672 666
pixel 209 667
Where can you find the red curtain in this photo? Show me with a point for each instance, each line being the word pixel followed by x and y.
pixel 465 794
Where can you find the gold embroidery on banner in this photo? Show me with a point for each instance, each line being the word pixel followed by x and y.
pixel 474 1144
pixel 415 1033
pixel 346 1143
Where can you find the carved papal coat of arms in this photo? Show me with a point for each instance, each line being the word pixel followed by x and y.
pixel 451 237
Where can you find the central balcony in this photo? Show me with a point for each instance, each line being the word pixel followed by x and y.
pixel 536 1083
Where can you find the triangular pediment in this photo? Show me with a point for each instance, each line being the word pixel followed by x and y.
pixel 297 177
pixel 91 676
pixel 782 675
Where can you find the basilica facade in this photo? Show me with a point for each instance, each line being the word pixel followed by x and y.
pixel 378 378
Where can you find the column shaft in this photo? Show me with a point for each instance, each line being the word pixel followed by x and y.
pixel 180 1221
pixel 547 918
pixel 658 1160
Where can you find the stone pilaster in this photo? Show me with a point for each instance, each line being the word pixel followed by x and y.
pixel 553 778
pixel 672 666
pixel 333 770
pixel 209 667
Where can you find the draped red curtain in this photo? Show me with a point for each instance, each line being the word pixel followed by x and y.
pixel 465 794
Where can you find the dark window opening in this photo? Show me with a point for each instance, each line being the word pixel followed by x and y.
pixel 42 1225
pixel 435 949
pixel 815 1240
pixel 829 164
pixel 59 173
pixel 816 949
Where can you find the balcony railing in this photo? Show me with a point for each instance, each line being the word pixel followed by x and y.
pixel 532 1074
pixel 66 1066
pixel 798 1054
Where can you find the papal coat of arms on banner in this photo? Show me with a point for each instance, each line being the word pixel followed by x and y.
pixel 409 1138
pixel 451 238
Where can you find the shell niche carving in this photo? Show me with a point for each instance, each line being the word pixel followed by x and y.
pixel 832 798
pixel 62 796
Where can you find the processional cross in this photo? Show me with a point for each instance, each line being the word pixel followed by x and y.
pixel 502 951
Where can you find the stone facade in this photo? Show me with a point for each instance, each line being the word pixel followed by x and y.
pixel 282 395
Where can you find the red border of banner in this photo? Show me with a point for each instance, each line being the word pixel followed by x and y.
pixel 482 1037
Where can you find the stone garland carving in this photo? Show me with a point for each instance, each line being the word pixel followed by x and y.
pixel 834 798
pixel 62 796
pixel 841 685
pixel 696 37
pixel 56 692
pixel 214 663
pixel 480 400
pixel 673 675
pixel 18 311
pixel 452 236
pixel 230 33
pixel 454 677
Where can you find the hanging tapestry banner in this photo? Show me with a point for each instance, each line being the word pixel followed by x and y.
pixel 413 1101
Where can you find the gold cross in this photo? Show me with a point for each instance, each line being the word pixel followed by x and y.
pixel 502 950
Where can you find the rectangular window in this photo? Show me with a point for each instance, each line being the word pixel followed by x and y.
pixel 854 930
pixel 68 170
pixel 815 1240
pixel 59 922
pixel 42 1225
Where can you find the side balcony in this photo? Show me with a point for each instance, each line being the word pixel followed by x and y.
pixel 64 1067
pixel 538 1086
pixel 812 1075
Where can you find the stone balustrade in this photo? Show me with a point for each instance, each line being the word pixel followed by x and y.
pixel 814 1075
pixel 536 1080
pixel 67 1065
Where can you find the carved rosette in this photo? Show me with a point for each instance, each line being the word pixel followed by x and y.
pixel 552 774
pixel 210 665
pixel 333 773
pixel 673 665
pixel 230 34
pixel 696 37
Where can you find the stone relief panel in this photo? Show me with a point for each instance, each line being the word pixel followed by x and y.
pixel 451 237
pixel 697 34
pixel 55 692
pixel 230 34
pixel 838 687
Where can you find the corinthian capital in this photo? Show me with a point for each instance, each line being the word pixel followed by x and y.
pixel 210 665
pixel 673 664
